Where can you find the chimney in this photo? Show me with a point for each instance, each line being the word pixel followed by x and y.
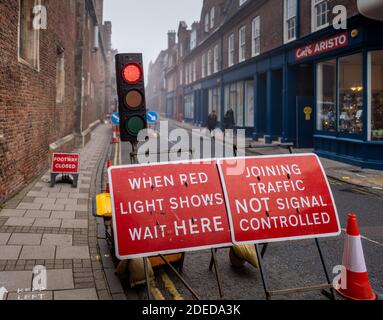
pixel 171 38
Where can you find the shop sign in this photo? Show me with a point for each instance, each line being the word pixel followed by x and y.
pixel 323 46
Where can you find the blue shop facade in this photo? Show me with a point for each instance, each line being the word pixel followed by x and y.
pixel 322 92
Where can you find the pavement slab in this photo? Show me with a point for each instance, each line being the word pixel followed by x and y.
pixel 73 252
pixel 15 280
pixel 37 252
pixel 9 252
pixel 62 240
pixel 26 239
pixel 4 238
pixel 78 294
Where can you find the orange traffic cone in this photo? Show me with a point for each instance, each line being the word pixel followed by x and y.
pixel 358 283
pixel 115 138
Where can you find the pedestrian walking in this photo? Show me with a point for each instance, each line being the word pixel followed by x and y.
pixel 212 121
pixel 229 120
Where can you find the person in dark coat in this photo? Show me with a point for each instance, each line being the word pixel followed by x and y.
pixel 229 119
pixel 212 121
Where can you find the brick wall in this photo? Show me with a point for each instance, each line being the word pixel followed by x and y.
pixel 30 119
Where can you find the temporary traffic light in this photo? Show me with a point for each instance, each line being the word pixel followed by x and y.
pixel 131 95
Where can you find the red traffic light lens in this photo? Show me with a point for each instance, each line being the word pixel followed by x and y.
pixel 132 73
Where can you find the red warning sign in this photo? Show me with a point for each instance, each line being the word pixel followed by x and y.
pixel 65 163
pixel 277 198
pixel 167 208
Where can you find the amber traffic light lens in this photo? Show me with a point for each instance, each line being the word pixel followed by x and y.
pixel 132 73
pixel 133 99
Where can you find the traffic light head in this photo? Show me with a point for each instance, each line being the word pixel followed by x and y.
pixel 131 95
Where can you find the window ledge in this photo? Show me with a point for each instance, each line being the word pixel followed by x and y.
pixel 27 64
pixel 315 29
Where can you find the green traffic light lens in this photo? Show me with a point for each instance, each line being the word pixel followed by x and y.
pixel 135 125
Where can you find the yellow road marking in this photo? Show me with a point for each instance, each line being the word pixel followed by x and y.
pixel 156 293
pixel 169 285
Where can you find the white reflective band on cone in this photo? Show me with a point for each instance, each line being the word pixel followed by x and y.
pixel 353 257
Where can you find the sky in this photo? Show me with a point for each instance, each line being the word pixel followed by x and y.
pixel 142 25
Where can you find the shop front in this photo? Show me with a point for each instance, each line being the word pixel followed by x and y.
pixel 345 111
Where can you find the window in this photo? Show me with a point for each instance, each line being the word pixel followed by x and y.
pixel 242 44
pixel 60 76
pixel 203 65
pixel 215 101
pixel 256 37
pixel 319 14
pixel 340 102
pixel 326 96
pixel 194 71
pixel 376 96
pixel 234 99
pixel 207 22
pixel 189 106
pixel 231 50
pixel 193 39
pixel 181 76
pixel 212 17
pixel 190 72
pixel 186 74
pixel 209 62
pixel 28 36
pixel 241 2
pixel 351 94
pixel 290 28
pixel 216 58
pixel 249 104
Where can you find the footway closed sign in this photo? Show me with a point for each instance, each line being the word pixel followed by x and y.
pixel 177 207
pixel 277 198
pixel 167 208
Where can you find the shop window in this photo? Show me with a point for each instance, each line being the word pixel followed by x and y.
pixel 249 104
pixel 319 14
pixel 234 98
pixel 326 96
pixel 189 106
pixel 290 20
pixel 28 36
pixel 215 101
pixel 351 94
pixel 376 96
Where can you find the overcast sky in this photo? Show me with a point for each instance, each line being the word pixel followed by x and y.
pixel 142 25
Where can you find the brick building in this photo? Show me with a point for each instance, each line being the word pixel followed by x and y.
pixel 289 73
pixel 52 83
